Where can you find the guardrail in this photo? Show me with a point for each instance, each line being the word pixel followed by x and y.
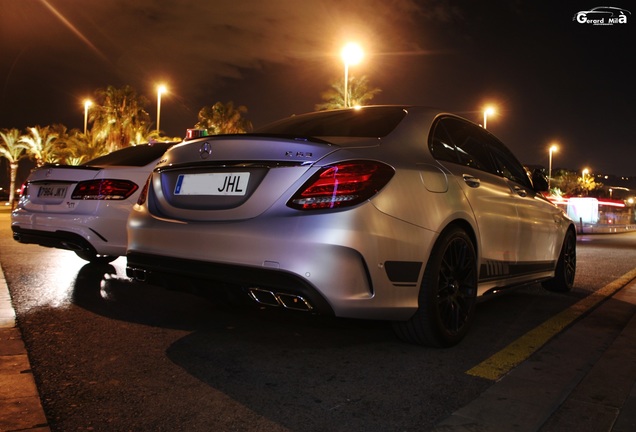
pixel 582 228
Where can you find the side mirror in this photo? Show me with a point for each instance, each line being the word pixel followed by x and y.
pixel 539 181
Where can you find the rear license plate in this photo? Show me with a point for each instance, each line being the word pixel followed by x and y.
pixel 234 183
pixel 52 191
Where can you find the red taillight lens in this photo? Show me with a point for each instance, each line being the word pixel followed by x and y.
pixel 24 190
pixel 144 192
pixel 342 185
pixel 104 189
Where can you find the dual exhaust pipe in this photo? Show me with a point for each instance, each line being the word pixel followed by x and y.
pixel 287 301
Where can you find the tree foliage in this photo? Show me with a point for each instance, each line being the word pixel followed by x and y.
pixel 223 119
pixel 359 90
pixel 40 142
pixel 77 147
pixel 570 183
pixel 13 150
pixel 119 118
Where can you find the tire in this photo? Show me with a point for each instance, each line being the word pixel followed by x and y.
pixel 563 280
pixel 447 295
pixel 95 258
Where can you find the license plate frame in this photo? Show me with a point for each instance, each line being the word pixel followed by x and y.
pixel 213 184
pixel 52 191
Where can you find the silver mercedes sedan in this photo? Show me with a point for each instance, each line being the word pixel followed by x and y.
pixel 395 213
pixel 84 208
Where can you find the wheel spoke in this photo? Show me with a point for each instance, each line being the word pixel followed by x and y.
pixel 455 294
pixel 570 260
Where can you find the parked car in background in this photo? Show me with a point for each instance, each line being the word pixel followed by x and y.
pixel 84 208
pixel 398 213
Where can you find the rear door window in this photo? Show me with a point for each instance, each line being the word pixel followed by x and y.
pixel 458 141
pixel 510 168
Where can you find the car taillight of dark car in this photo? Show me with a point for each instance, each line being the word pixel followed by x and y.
pixel 342 185
pixel 104 189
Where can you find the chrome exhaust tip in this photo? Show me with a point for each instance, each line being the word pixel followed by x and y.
pixel 295 302
pixel 263 297
pixel 287 301
pixel 140 275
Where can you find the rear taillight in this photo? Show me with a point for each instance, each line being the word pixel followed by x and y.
pixel 104 189
pixel 144 192
pixel 24 190
pixel 342 185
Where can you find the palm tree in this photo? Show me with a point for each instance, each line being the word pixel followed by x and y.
pixel 154 136
pixel 587 184
pixel 60 146
pixel 80 147
pixel 40 142
pixel 119 119
pixel 13 150
pixel 359 94
pixel 223 119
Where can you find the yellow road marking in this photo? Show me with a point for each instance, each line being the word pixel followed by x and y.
pixel 499 364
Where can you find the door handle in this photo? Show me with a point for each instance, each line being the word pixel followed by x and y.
pixel 520 191
pixel 471 181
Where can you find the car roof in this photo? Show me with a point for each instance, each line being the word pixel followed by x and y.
pixel 369 121
pixel 138 155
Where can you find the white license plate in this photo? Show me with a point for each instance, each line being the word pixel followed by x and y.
pixel 234 183
pixel 52 191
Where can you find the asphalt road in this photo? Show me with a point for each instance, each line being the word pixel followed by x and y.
pixel 110 354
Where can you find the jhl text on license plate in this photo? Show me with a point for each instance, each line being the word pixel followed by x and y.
pixel 234 183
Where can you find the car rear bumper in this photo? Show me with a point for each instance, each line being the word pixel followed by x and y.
pixel 342 264
pixel 92 234
pixel 55 239
pixel 265 286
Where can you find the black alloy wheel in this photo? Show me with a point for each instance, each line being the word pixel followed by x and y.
pixel 563 280
pixel 447 295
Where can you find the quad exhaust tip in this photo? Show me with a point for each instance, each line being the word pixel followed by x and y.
pixel 287 301
pixel 139 275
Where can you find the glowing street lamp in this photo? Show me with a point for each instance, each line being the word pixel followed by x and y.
pixel 160 90
pixel 87 104
pixel 488 112
pixel 584 173
pixel 351 54
pixel 553 148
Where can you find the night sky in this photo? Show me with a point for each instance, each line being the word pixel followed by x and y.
pixel 551 78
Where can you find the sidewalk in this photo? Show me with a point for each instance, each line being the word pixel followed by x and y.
pixel 583 380
pixel 19 400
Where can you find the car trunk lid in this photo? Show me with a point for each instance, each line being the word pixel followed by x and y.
pixel 50 187
pixel 233 177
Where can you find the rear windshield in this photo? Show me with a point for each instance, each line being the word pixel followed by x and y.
pixel 365 122
pixel 138 155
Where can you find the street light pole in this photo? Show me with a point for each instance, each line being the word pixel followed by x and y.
pixel 87 104
pixel 161 89
pixel 351 54
pixel 584 173
pixel 488 111
pixel 553 148
pixel 346 84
